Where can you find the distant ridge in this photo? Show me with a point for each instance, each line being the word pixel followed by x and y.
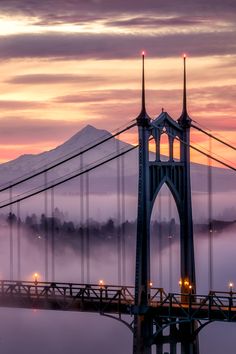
pixel 104 179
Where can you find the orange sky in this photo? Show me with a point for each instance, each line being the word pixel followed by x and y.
pixel 60 72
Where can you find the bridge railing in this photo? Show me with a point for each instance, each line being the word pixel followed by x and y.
pixel 67 292
pixel 216 305
pixel 42 289
pixel 116 299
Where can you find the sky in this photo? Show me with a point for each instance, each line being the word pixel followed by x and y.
pixel 66 64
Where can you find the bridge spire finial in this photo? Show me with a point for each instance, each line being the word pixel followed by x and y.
pixel 143 82
pixel 184 119
pixel 143 116
pixel 185 88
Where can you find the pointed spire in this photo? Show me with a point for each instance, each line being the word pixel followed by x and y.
pixel 184 119
pixel 143 117
pixel 143 83
pixel 184 89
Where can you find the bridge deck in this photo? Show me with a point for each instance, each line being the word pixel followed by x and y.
pixel 216 306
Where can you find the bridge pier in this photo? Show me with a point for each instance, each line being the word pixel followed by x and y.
pixel 142 335
pixel 189 343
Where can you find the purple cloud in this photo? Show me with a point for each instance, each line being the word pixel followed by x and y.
pixel 99 7
pixel 109 46
pixel 21 105
pixel 36 130
pixel 37 79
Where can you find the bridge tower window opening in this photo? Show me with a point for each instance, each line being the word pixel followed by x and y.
pixel 165 146
pixel 176 149
pixel 152 148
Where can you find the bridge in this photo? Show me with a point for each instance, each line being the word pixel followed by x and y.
pixel 146 310
pixel 117 300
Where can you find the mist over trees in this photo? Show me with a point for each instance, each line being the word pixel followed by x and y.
pixel 64 232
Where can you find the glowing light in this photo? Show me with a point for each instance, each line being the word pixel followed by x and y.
pixel 184 55
pixel 36 276
pixel 190 286
pixel 101 282
pixel 231 286
pixel 186 283
pixel 143 53
pixel 180 282
pixel 150 284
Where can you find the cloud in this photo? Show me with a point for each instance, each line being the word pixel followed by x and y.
pixel 111 46
pixel 21 131
pixel 37 79
pixel 152 21
pixel 99 7
pixel 99 96
pixel 21 105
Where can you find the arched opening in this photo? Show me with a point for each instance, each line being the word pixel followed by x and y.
pixel 152 148
pixel 164 243
pixel 176 150
pixel 164 147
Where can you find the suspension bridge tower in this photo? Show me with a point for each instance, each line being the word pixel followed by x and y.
pixel 148 328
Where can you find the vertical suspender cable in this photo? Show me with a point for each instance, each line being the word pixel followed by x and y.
pixel 118 215
pixel 53 234
pixel 82 218
pixel 170 242
pixel 11 236
pixel 210 225
pixel 87 229
pixel 18 242
pixel 123 241
pixel 45 228
pixel 160 240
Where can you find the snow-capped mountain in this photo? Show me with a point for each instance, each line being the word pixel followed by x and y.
pixel 103 180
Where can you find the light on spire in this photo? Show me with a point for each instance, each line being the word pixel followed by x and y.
pixel 143 53
pixel 184 55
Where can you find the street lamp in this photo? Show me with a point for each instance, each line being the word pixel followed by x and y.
pixel 231 285
pixel 36 278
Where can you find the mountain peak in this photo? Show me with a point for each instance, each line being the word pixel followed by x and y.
pixel 86 135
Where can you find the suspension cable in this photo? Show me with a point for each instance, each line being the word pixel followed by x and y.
pixel 213 153
pixel 68 158
pixel 204 153
pixel 82 219
pixel 213 137
pixel 170 241
pixel 42 189
pixel 45 228
pixel 123 241
pixel 160 239
pixel 18 242
pixel 87 228
pixel 119 272
pixel 11 256
pixel 211 157
pixel 102 163
pixel 53 233
pixel 210 226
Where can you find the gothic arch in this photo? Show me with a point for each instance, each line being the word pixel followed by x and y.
pixel 173 192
